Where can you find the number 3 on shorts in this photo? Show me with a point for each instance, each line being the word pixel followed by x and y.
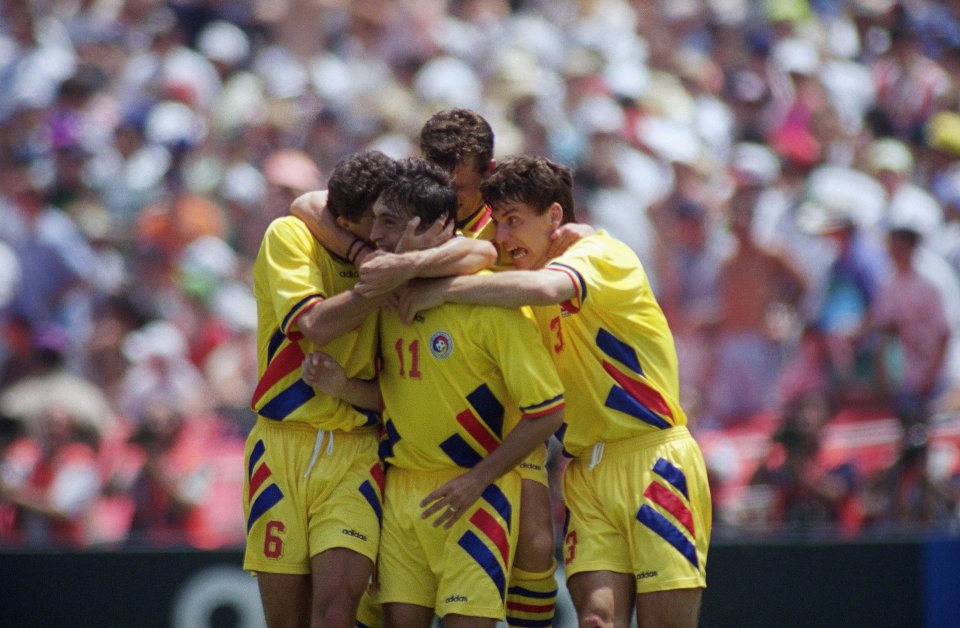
pixel 570 546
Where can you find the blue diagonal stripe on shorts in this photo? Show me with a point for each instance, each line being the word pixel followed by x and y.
pixel 267 499
pixel 370 493
pixel 672 474
pixel 485 558
pixel 255 456
pixel 659 524
pixel 499 501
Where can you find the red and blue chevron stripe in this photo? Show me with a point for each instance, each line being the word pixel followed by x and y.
pixel 372 490
pixel 670 502
pixel 485 427
pixel 632 396
pixel 497 532
pixel 281 363
pixel 258 476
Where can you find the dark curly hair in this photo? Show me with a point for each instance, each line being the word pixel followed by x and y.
pixel 421 189
pixel 535 181
pixel 356 182
pixel 452 136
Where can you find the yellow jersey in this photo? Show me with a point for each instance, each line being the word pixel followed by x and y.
pixel 612 347
pixel 291 274
pixel 457 380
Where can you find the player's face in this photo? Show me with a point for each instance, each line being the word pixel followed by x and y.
pixel 466 181
pixel 525 235
pixel 388 226
pixel 360 228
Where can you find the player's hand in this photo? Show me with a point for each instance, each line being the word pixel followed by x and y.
pixel 382 272
pixel 437 234
pixel 324 373
pixel 453 499
pixel 564 236
pixel 418 295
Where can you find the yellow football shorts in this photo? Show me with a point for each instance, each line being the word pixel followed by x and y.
pixel 460 571
pixel 306 492
pixel 644 509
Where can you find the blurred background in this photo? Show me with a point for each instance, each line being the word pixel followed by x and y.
pixel 788 171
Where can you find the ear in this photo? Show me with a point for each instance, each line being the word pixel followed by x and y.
pixel 556 214
pixel 490 168
pixel 343 223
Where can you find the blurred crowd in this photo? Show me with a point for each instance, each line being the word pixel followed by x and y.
pixel 787 170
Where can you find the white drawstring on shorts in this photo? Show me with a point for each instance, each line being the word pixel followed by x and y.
pixel 596 456
pixel 316 449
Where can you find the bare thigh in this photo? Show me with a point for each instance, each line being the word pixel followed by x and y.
pixel 535 544
pixel 397 615
pixel 603 598
pixel 679 608
pixel 340 576
pixel 285 599
pixel 462 621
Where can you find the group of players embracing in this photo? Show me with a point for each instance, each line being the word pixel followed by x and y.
pixel 426 325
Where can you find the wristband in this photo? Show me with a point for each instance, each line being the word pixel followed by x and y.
pixel 351 253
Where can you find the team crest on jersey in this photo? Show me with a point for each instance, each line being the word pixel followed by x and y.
pixel 441 345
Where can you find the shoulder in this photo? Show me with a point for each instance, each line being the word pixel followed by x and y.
pixel 286 227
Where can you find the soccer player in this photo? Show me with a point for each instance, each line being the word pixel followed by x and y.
pixel 313 484
pixel 638 522
pixel 455 384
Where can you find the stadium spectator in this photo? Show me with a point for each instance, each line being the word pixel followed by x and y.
pixel 852 283
pixel 910 495
pixel 53 481
pixel 688 264
pixel 173 481
pixel 808 495
pixel 759 294
pixel 910 317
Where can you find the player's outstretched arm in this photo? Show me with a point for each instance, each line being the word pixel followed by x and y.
pixel 455 497
pixel 325 374
pixel 330 318
pixel 311 208
pixel 509 288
